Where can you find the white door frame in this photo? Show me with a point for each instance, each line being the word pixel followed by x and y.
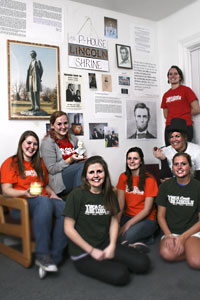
pixel 185 47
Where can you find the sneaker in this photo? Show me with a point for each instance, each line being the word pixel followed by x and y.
pixel 46 263
pixel 141 247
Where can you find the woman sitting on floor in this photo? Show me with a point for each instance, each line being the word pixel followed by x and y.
pixel 179 214
pixel 92 226
pixel 136 190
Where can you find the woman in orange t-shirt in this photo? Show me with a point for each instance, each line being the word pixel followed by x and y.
pixel 136 190
pixel 17 174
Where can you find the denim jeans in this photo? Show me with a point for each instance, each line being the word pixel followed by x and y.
pixel 72 176
pixel 42 209
pixel 139 232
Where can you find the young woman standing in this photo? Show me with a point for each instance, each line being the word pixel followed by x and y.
pixel 179 102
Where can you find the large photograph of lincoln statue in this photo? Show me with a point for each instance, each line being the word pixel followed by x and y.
pixel 33 80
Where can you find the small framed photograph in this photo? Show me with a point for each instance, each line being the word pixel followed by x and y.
pixel 124 58
pixel 33 80
pixel 110 28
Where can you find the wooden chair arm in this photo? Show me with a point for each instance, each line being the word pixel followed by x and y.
pixel 13 202
pixel 18 203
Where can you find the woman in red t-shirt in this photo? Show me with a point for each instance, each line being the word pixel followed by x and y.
pixel 17 174
pixel 179 102
pixel 58 151
pixel 136 190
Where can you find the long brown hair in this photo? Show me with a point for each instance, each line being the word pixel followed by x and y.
pixel 53 118
pixel 18 159
pixel 142 172
pixel 110 202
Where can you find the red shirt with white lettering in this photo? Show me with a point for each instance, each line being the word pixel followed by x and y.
pixel 178 102
pixel 11 175
pixel 135 199
pixel 66 148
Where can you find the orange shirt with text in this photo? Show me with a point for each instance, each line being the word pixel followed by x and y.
pixel 11 175
pixel 135 199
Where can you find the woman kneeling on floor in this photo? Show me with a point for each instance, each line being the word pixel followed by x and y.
pixel 179 214
pixel 92 226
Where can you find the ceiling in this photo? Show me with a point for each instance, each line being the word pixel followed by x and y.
pixel 154 10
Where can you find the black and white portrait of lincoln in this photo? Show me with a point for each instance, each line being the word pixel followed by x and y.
pixel 141 120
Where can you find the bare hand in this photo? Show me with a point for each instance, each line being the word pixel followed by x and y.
pixel 170 242
pixel 124 228
pixel 109 252
pixel 179 245
pixel 53 195
pixel 97 254
pixel 77 158
pixel 158 153
pixel 27 194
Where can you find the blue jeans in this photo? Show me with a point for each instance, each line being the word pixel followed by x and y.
pixel 72 175
pixel 42 209
pixel 139 232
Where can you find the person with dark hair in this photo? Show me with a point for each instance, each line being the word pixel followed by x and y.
pixel 58 151
pixel 33 81
pixel 70 95
pixel 142 117
pixel 77 97
pixel 108 139
pixel 179 102
pixel 96 134
pixel 115 139
pixel 179 214
pixel 17 174
pixel 136 190
pixel 178 135
pixel 91 224
pixel 92 81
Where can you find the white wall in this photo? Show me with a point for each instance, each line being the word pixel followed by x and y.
pixel 115 157
pixel 170 32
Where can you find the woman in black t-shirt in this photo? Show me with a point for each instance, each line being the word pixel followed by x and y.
pixel 179 214
pixel 92 226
